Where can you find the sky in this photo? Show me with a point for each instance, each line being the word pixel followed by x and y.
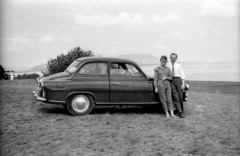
pixel 33 31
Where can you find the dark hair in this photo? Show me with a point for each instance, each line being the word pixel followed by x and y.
pixel 173 54
pixel 163 58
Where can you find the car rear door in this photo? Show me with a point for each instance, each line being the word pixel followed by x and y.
pixel 127 84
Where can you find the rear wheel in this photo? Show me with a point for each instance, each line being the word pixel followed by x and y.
pixel 79 104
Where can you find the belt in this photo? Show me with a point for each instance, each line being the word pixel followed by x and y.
pixel 176 77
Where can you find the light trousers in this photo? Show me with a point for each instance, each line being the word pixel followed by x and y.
pixel 165 95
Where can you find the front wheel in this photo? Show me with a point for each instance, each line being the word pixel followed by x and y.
pixel 80 104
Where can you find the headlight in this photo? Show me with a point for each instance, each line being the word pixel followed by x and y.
pixel 186 87
pixel 41 82
pixel 43 93
pixel 40 88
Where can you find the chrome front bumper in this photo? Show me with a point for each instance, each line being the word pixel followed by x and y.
pixel 40 84
pixel 35 95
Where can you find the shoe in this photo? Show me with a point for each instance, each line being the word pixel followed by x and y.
pixel 181 115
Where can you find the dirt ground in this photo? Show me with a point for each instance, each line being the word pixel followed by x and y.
pixel 28 127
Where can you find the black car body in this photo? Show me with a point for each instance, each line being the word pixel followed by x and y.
pixel 91 81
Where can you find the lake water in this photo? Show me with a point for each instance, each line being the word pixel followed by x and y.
pixel 214 71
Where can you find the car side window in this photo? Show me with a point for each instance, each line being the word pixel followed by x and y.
pixel 94 68
pixel 123 69
pixel 133 70
pixel 103 68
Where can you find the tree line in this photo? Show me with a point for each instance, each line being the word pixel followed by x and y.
pixel 61 62
pixel 54 65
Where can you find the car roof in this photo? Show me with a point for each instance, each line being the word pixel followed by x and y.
pixel 108 59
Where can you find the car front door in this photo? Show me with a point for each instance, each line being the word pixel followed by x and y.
pixel 127 84
pixel 92 78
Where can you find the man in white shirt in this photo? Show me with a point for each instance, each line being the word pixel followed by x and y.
pixel 177 84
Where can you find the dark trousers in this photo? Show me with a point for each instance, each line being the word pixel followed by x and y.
pixel 177 94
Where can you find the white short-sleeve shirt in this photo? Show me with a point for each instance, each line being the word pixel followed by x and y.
pixel 178 70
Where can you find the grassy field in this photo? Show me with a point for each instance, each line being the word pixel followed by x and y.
pixel 211 126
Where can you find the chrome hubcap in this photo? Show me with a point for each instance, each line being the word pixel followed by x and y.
pixel 80 103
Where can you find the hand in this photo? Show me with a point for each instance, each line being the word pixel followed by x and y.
pixel 183 86
pixel 164 78
pixel 156 90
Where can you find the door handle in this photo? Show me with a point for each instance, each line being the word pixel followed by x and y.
pixel 115 83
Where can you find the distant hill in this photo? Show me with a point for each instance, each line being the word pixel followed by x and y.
pixel 142 59
pixel 39 67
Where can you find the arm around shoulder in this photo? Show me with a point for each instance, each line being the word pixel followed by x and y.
pixel 169 75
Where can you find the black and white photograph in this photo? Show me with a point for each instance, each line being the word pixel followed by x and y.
pixel 119 78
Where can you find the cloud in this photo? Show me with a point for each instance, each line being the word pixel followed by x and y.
pixel 177 34
pixel 79 1
pixel 123 18
pixel 172 17
pixel 11 48
pixel 220 7
pixel 19 40
pixel 46 39
pixel 66 40
pixel 156 19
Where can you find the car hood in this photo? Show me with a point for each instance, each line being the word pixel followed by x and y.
pixel 58 76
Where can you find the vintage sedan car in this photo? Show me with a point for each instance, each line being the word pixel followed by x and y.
pixel 92 81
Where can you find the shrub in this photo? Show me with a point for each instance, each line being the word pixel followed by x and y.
pixel 62 61
pixel 27 76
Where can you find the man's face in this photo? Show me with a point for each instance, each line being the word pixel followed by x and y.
pixel 173 58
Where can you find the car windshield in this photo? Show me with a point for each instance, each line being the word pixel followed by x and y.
pixel 73 67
